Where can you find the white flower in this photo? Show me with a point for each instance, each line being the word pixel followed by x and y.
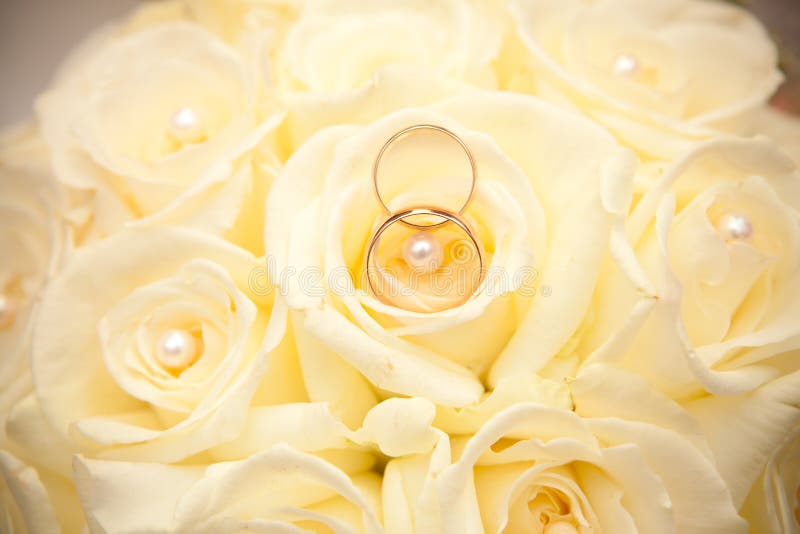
pixel 542 469
pixel 159 136
pixel 708 298
pixel 782 128
pixel 352 61
pixel 276 486
pixel 235 20
pixel 750 436
pixel 364 37
pixel 152 344
pixel 278 490
pixel 549 186
pixel 740 434
pixel 33 237
pixel 36 489
pixel 24 499
pixel 190 341
pixel 705 304
pixel 411 503
pixel 774 503
pixel 656 72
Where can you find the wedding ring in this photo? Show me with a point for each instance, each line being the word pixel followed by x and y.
pixel 404 133
pixel 448 217
pixel 423 254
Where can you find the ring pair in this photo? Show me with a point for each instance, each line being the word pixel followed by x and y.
pixel 449 268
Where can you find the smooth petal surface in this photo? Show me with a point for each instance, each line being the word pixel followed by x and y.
pixel 114 123
pixel 279 490
pixel 26 505
pixel 772 505
pixel 531 465
pixel 33 241
pixel 107 394
pixel 745 430
pixel 660 74
pixel 388 56
pixel 726 305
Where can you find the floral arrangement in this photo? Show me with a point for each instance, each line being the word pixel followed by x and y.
pixel 187 343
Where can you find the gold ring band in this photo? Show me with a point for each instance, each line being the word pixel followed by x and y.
pixel 405 132
pixel 448 216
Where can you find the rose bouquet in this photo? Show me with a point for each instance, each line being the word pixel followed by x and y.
pixel 190 338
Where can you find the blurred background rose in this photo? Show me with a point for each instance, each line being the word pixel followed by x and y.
pixel 36 34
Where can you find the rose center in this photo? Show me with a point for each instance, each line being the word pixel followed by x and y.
pixel 177 349
pixel 560 527
pixel 551 508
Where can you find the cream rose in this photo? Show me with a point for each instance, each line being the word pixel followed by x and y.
pixel 627 459
pixel 630 362
pixel 152 344
pixel 705 304
pixel 279 490
pixel 773 505
pixel 158 137
pixel 738 433
pixel 277 486
pixel 708 300
pixel 747 434
pixel 26 505
pixel 352 61
pixel 33 242
pixel 550 184
pixel 542 469
pixel 658 73
pixel 782 128
pixel 443 35
pixel 409 482
pixel 36 489
pixel 235 20
pixel 33 237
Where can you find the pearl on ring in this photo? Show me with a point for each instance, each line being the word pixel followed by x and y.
pixel 560 527
pixel 8 311
pixel 185 125
pixel 423 252
pixel 176 349
pixel 626 64
pixel 735 226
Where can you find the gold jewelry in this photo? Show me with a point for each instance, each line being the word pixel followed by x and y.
pixel 404 133
pixel 423 254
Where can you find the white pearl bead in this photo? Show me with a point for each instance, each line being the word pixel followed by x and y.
pixel 735 226
pixel 626 64
pixel 177 349
pixel 185 125
pixel 8 311
pixel 423 252
pixel 560 527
